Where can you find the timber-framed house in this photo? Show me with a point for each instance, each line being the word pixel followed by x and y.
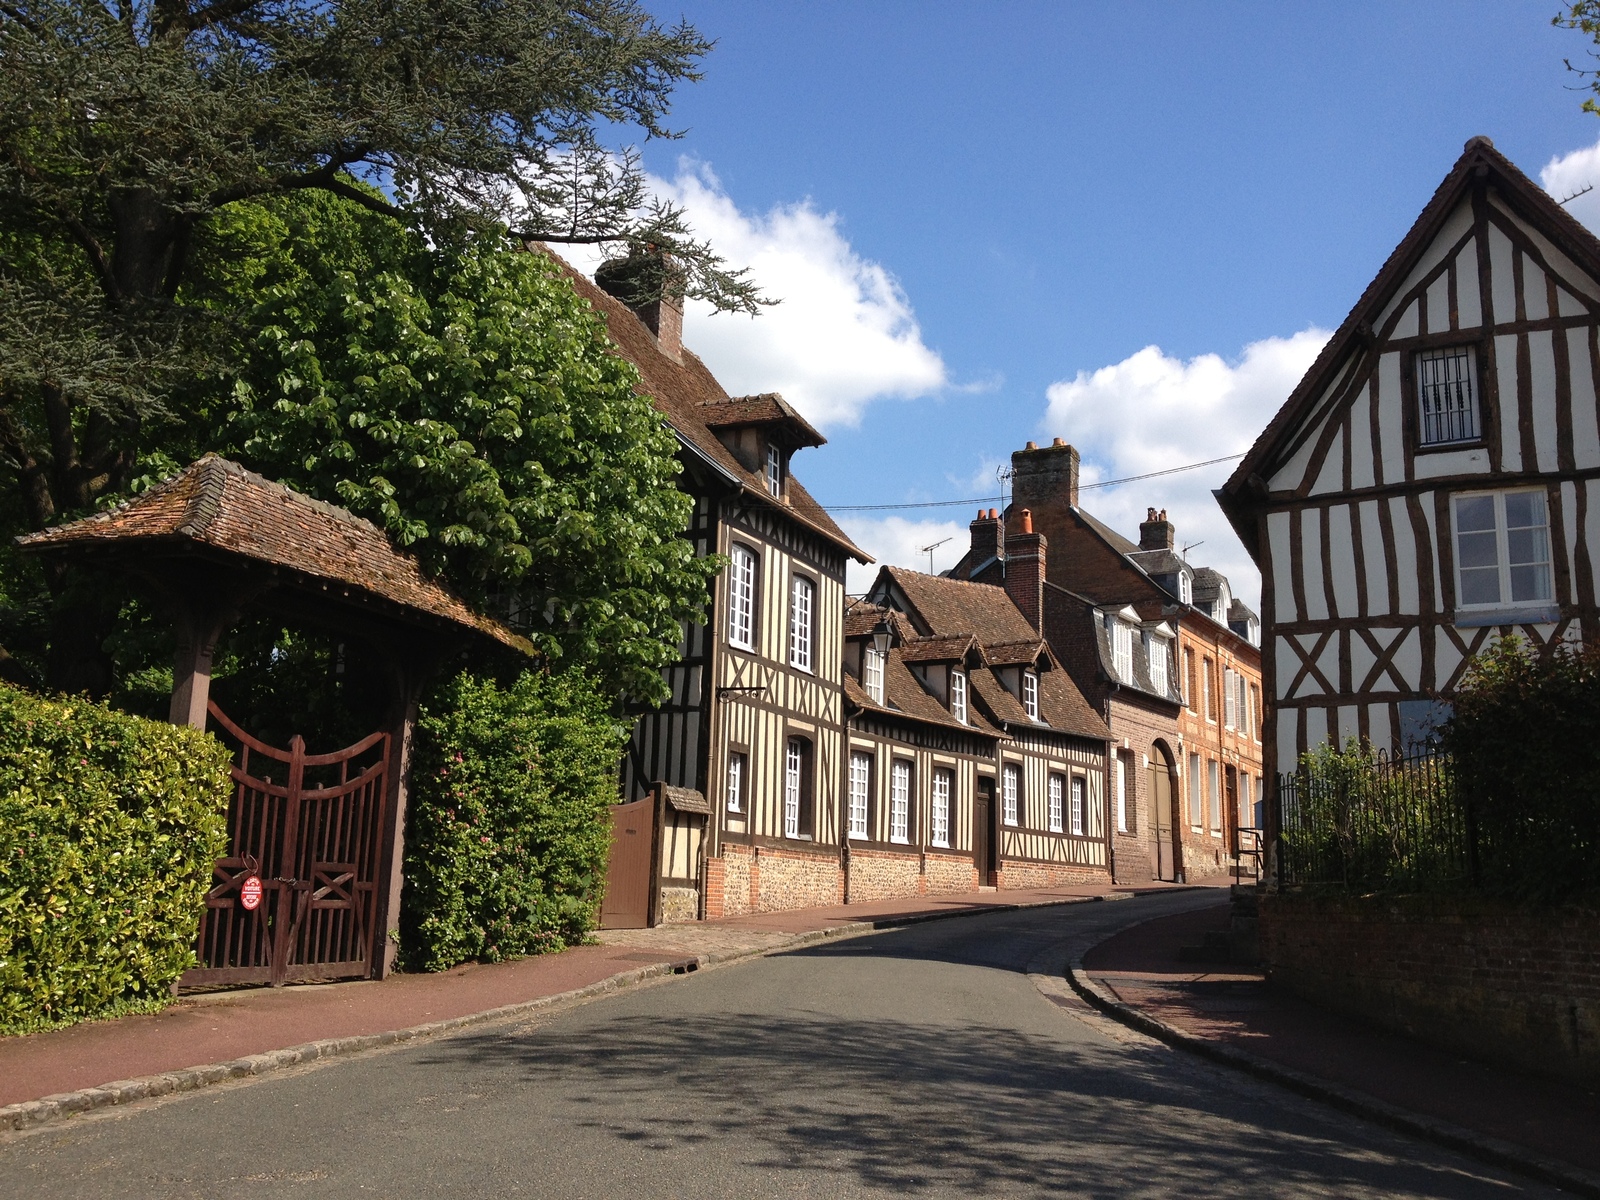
pixel 1125 619
pixel 1033 813
pixel 744 760
pixel 1433 482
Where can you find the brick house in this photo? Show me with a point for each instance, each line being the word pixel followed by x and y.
pixel 1125 619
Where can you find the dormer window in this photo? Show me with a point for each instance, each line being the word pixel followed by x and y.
pixel 774 470
pixel 1157 651
pixel 1030 695
pixel 872 674
pixel 1122 650
pixel 958 695
pixel 1185 588
pixel 1447 396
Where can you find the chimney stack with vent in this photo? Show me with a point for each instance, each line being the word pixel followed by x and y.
pixel 651 284
pixel 1025 561
pixel 1156 532
pixel 987 534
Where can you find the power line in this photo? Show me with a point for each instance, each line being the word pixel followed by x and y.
pixel 1083 487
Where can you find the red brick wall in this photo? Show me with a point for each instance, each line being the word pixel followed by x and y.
pixel 1488 979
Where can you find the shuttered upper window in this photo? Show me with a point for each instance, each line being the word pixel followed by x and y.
pixel 1447 396
pixel 742 598
pixel 801 615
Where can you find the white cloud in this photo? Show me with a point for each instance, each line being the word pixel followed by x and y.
pixel 1568 174
pixel 844 333
pixel 1151 412
pixel 899 542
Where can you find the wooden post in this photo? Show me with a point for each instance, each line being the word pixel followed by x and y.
pixel 392 869
pixel 198 626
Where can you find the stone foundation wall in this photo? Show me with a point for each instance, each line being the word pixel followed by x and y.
pixel 678 904
pixel 1019 875
pixel 883 874
pixel 950 873
pixel 728 880
pixel 1492 980
pixel 786 879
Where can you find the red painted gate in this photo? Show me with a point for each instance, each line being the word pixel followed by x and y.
pixel 308 826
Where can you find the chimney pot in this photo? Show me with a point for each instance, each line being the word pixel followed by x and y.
pixel 1031 446
pixel 1058 442
pixel 992 515
pixel 1027 521
pixel 1156 532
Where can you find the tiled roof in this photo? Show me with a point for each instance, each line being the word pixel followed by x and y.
pixel 861 618
pixel 1012 654
pixel 1208 583
pixel 904 696
pixel 681 391
pixel 948 648
pixel 768 408
pixel 218 504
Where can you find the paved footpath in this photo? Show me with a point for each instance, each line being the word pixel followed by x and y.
pixel 227 1026
pixel 1234 1007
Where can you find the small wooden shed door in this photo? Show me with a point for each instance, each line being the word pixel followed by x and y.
pixel 627 900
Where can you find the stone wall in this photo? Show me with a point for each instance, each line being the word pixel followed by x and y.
pixel 728 879
pixel 786 879
pixel 678 904
pixel 1488 979
pixel 950 873
pixel 1018 875
pixel 885 874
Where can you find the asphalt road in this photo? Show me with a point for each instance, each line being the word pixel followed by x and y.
pixel 922 1062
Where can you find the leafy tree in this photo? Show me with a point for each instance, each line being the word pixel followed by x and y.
pixel 127 126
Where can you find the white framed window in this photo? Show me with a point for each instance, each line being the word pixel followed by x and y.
pixel 939 825
pixel 1057 802
pixel 1121 650
pixel 872 674
pixel 1210 692
pixel 774 470
pixel 1158 663
pixel 1502 550
pixel 860 792
pixel 793 783
pixel 1247 813
pixel 900 801
pixel 738 774
pixel 1214 794
pixel 1078 785
pixel 1010 784
pixel 1447 400
pixel 1122 794
pixel 1185 588
pixel 742 598
pixel 1230 714
pixel 1030 695
pixel 958 695
pixel 802 594
pixel 1197 810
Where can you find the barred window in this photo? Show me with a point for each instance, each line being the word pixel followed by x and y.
pixel 900 801
pixel 1057 787
pixel 742 598
pixel 1447 396
pixel 1010 781
pixel 939 826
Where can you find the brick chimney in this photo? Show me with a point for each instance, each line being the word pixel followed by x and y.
pixel 1025 560
pixel 1156 532
pixel 1045 481
pixel 988 530
pixel 651 284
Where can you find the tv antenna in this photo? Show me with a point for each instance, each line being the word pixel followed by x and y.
pixel 1583 191
pixel 1188 546
pixel 928 550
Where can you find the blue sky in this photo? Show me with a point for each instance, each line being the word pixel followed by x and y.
pixel 1129 226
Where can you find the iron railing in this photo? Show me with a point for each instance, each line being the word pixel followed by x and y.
pixel 1390 822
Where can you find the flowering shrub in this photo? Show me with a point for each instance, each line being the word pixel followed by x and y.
pixel 109 825
pixel 507 829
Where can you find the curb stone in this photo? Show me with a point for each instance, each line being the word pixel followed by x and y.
pixel 1491 1150
pixel 30 1115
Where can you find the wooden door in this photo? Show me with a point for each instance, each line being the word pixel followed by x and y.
pixel 983 833
pixel 1161 814
pixel 627 900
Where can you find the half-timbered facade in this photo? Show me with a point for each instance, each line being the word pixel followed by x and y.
pixel 1431 485
pixel 754 723
pixel 1034 812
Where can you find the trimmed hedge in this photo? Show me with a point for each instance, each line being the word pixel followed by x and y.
pixel 109 826
pixel 507 826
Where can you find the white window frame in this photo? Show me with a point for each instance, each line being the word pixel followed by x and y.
pixel 1247 811
pixel 738 770
pixel 1057 794
pixel 1451 422
pixel 900 801
pixel 1030 694
pixel 1080 788
pixel 1185 588
pixel 1502 551
pixel 742 598
pixel 774 470
pixel 1122 794
pixel 939 822
pixel 1122 650
pixel 1230 714
pixel 1157 652
pixel 872 673
pixel 1010 786
pixel 802 615
pixel 958 694
pixel 793 782
pixel 1214 796
pixel 1197 797
pixel 860 792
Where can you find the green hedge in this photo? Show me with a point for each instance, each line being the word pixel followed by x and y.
pixel 507 829
pixel 109 825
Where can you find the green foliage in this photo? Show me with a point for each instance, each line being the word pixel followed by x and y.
pixel 470 404
pixel 507 829
pixel 1523 736
pixel 109 825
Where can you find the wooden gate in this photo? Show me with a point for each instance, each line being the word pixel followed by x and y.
pixel 308 826
pixel 629 874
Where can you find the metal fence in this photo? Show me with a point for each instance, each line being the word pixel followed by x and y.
pixel 1375 823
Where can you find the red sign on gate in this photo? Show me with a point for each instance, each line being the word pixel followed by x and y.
pixel 250 893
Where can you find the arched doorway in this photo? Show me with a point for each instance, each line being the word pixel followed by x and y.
pixel 1163 792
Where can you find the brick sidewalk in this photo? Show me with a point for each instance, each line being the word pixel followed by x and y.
pixel 1236 1007
pixel 225 1026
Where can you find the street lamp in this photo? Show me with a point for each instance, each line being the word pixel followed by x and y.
pixel 882 635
